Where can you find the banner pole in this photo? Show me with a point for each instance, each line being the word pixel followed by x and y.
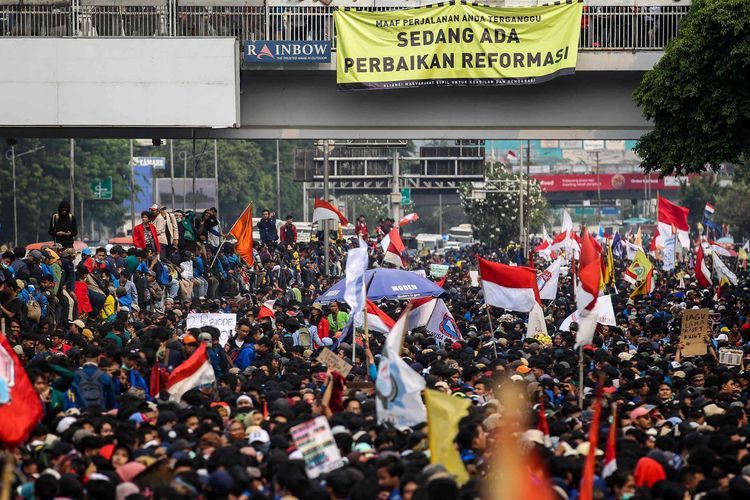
pixel 492 329
pixel 580 377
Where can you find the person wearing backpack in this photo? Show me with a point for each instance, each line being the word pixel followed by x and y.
pixel 92 386
pixel 62 226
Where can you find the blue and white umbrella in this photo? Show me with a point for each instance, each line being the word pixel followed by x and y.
pixel 386 283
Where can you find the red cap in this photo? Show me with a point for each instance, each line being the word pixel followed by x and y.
pixel 456 346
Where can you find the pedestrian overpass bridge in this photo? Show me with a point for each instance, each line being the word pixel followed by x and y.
pixel 205 91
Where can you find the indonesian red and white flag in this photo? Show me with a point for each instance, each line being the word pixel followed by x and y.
pixel 671 215
pixel 702 274
pixel 408 219
pixel 326 211
pixel 377 320
pixel 192 373
pixel 511 156
pixel 266 310
pixel 509 287
pixel 20 407
pixel 589 277
pixel 394 248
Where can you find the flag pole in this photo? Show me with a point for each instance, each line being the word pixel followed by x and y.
pixel 224 238
pixel 580 377
pixel 492 329
pixel 7 475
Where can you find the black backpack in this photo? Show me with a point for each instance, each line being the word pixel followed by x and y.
pixel 91 389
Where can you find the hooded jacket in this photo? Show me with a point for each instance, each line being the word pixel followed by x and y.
pixel 65 223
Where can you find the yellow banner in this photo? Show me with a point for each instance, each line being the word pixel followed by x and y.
pixel 456 44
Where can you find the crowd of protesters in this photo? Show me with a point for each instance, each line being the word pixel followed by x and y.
pixel 100 331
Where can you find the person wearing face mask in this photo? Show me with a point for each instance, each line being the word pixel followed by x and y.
pixel 63 227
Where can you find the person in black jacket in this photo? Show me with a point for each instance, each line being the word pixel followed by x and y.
pixel 267 229
pixel 62 226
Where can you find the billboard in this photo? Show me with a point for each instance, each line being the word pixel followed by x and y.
pixel 456 44
pixel 205 193
pixel 119 82
pixel 609 182
pixel 290 51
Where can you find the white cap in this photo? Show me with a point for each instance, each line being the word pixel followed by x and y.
pixel 259 436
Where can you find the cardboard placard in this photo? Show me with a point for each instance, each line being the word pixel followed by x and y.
pixel 314 440
pixel 438 270
pixel 694 328
pixel 731 357
pixel 332 361
pixel 474 275
pixel 226 323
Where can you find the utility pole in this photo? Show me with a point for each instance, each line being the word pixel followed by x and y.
pixel 72 173
pixel 132 190
pixel 278 181
pixel 11 155
pixel 304 201
pixel 395 189
pixel 195 166
pixel 598 193
pixel 528 199
pixel 326 196
pixel 216 177
pixel 171 169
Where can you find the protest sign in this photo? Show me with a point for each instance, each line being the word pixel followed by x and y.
pixel 224 322
pixel 438 270
pixel 731 356
pixel 694 328
pixel 332 361
pixel 314 440
pixel 474 275
pixel 456 44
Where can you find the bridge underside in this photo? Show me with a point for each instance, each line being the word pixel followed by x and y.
pixel 305 104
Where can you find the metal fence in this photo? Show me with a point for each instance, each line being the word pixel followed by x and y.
pixel 606 24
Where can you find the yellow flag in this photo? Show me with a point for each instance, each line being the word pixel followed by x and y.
pixel 646 286
pixel 639 237
pixel 608 277
pixel 640 267
pixel 444 412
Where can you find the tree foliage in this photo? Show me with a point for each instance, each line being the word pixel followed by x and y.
pixel 495 219
pixel 698 95
pixel 733 207
pixel 697 193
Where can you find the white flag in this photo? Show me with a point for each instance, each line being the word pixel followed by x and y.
pixel 536 324
pixel 605 314
pixel 722 271
pixel 442 325
pixel 547 281
pixel 668 253
pixel 356 265
pixel 398 388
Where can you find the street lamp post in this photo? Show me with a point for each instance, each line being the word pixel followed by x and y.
pixel 11 155
pixel 185 156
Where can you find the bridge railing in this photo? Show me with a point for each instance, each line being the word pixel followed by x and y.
pixel 606 24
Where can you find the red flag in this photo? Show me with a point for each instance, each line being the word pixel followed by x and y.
pixel 23 410
pixel 510 287
pixel 610 454
pixel 673 216
pixel 407 219
pixel 193 372
pixel 326 211
pixel 243 231
pixel 587 482
pixel 543 425
pixel 394 248
pixel 589 273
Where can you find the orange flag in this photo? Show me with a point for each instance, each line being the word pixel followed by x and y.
pixel 243 231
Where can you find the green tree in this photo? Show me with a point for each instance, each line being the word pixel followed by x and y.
pixel 697 193
pixel 495 219
pixel 697 95
pixel 733 207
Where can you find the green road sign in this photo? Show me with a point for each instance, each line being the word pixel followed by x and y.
pixel 405 196
pixel 101 189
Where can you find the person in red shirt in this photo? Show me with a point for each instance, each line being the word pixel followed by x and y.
pixel 144 234
pixel 318 320
pixel 360 228
pixel 288 232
